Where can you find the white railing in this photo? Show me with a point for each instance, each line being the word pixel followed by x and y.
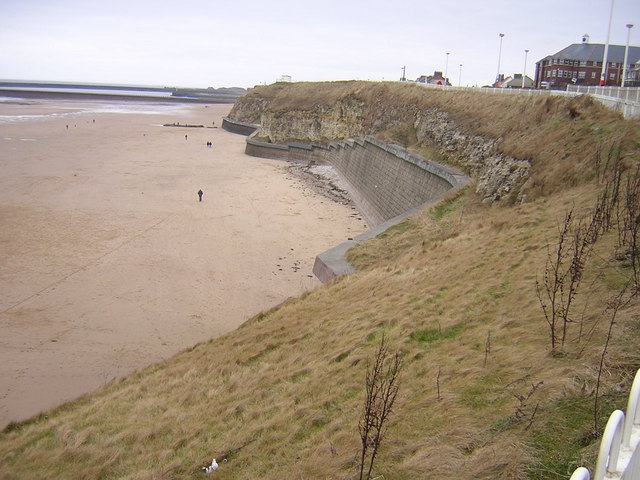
pixel 501 91
pixel 623 100
pixel 628 94
pixel 619 455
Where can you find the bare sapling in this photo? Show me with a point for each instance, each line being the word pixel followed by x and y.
pixel 551 288
pixel 381 389
pixel 624 297
pixel 565 266
pixel 583 238
pixel 629 225
pixel 524 411
pixel 487 348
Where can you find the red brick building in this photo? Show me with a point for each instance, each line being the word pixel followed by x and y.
pixel 581 64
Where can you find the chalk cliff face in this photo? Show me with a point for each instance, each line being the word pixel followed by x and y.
pixel 323 123
pixel 497 175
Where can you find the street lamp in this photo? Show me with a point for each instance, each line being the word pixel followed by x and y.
pixel 603 75
pixel 499 56
pixel 524 70
pixel 460 77
pixel 626 53
pixel 446 68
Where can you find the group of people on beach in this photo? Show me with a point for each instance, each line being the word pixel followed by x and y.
pixel 200 193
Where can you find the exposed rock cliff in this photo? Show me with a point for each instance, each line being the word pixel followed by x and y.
pixel 471 131
pixel 496 174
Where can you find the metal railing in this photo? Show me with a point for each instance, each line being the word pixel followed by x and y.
pixel 628 94
pixel 624 100
pixel 501 91
pixel 619 455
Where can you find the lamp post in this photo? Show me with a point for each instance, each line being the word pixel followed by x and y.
pixel 499 56
pixel 626 54
pixel 446 68
pixel 460 77
pixel 603 75
pixel 524 70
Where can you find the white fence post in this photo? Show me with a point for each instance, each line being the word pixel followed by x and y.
pixel 610 446
pixel 633 411
pixel 619 455
pixel 581 473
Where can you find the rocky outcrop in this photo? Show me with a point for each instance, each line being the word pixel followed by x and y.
pixel 343 120
pixel 496 174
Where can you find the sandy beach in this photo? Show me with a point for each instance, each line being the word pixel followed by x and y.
pixel 108 261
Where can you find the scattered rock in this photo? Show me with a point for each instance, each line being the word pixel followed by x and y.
pixel 322 179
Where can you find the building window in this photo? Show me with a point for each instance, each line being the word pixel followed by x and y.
pixel 559 73
pixel 565 73
pixel 593 74
pixel 612 76
pixel 548 73
pixel 583 63
pixel 582 75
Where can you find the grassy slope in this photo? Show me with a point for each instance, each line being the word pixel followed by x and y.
pixel 280 397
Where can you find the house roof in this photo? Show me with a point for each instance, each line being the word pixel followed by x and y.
pixel 594 52
pixel 516 80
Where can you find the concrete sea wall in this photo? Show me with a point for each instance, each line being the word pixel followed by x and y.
pixel 386 183
pixel 240 128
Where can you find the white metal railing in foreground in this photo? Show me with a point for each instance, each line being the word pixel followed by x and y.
pixel 628 94
pixel 619 455
pixel 623 100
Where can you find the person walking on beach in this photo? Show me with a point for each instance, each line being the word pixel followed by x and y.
pixel 200 195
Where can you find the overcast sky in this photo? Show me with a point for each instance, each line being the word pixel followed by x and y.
pixel 248 42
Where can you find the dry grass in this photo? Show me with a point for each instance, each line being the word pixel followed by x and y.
pixel 280 397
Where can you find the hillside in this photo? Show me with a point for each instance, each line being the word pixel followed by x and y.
pixel 482 393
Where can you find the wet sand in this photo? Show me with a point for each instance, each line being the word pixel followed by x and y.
pixel 108 261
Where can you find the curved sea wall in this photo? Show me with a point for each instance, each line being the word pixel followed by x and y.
pixel 240 128
pixel 385 182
